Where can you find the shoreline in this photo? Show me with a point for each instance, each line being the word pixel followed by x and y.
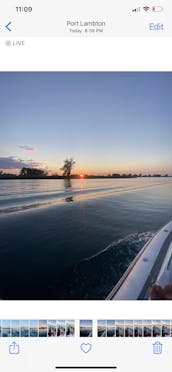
pixel 10 177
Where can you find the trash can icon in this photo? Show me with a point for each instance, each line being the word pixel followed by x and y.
pixel 157 348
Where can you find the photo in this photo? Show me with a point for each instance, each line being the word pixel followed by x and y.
pixel 58 328
pixel 102 328
pixel 70 328
pixel 138 328
pixel 129 330
pixel 119 328
pixel 24 328
pixel 147 328
pixel 43 328
pixel 85 186
pixel 15 328
pixel 61 328
pixel 5 328
pixel 86 328
pixel 52 328
pixel 34 324
pixel 166 328
pixel 156 328
pixel 110 328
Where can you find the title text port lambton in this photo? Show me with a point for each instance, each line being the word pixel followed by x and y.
pixel 86 23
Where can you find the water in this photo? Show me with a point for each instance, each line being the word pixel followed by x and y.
pixel 73 239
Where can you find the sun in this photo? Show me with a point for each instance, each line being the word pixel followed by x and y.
pixel 81 176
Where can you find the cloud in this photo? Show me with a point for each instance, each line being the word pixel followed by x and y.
pixel 12 162
pixel 33 163
pixel 6 145
pixel 27 148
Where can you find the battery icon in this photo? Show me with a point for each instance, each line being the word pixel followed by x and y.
pixel 157 8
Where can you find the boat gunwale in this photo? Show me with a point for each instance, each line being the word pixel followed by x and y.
pixel 119 284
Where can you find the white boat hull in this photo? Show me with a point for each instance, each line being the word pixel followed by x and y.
pixel 152 265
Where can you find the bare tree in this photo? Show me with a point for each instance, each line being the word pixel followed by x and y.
pixel 67 167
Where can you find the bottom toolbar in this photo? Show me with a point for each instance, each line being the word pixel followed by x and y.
pixel 123 354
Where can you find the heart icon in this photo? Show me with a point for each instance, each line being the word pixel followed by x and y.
pixel 86 348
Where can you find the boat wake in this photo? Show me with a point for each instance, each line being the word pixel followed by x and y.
pixel 35 201
pixel 94 277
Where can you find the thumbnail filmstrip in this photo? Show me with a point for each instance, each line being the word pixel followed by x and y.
pixel 37 328
pixel 134 328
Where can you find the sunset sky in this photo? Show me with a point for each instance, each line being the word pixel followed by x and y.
pixel 108 122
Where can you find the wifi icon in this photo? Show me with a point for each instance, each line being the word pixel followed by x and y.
pixel 146 8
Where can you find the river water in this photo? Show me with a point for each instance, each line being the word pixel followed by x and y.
pixel 73 239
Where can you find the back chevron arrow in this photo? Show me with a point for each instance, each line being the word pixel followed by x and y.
pixel 7 26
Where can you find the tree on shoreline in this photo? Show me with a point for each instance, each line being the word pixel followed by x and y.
pixel 32 172
pixel 67 167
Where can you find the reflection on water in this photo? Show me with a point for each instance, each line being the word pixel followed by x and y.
pixel 69 199
pixel 67 183
pixel 68 189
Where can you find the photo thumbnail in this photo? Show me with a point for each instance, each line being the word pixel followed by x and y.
pixel 102 328
pixel 52 328
pixel 34 328
pixel 138 328
pixel 15 328
pixel 86 328
pixel 25 328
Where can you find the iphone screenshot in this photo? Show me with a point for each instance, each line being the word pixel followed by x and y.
pixel 85 185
